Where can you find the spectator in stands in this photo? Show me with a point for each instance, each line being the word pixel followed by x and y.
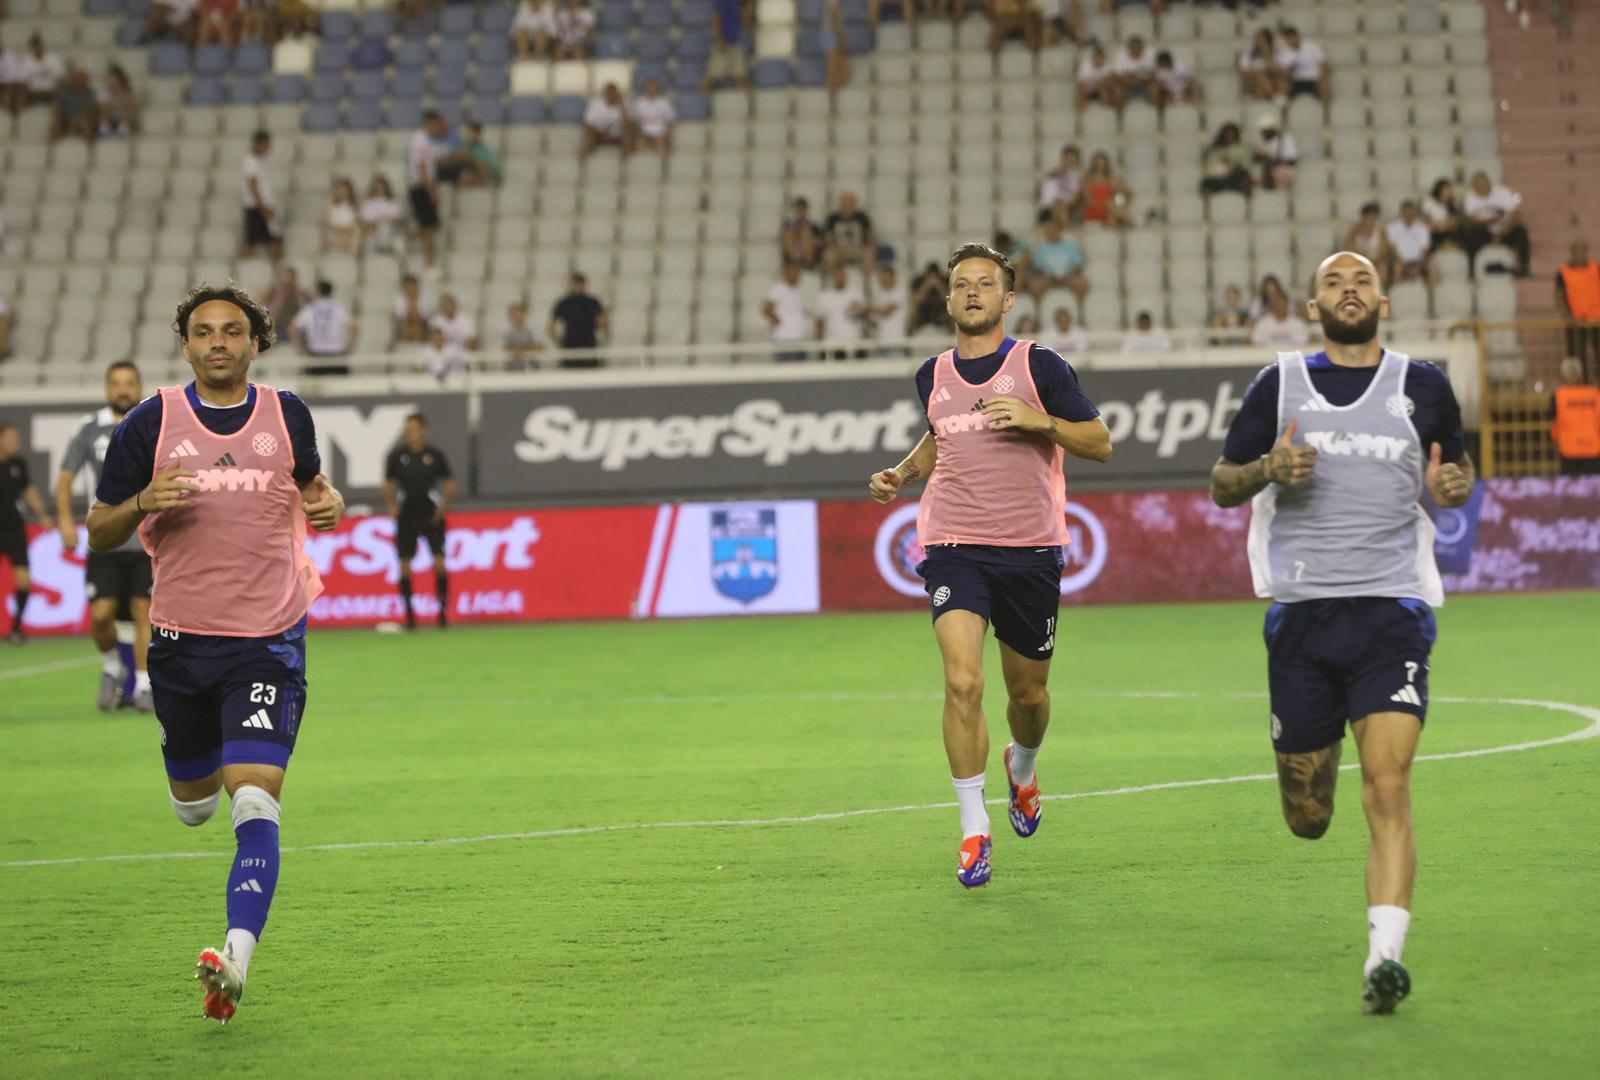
pixel 411 311
pixel 1055 261
pixel 413 14
pixel 575 31
pixel 324 328
pixel 577 321
pixel 1015 18
pixel 928 307
pixel 1367 237
pixel 1493 215
pixel 522 346
pixel 294 18
pixel 1276 153
pixel 217 23
pixel 1136 70
pixel 1062 187
pixel 1097 79
pixel 341 219
pixel 1063 21
pixel 534 30
pixel 801 237
pixel 1279 327
pixel 835 47
pixel 653 117
pixel 1443 212
pixel 1230 320
pixel 422 179
pixel 784 308
pixel 1261 303
pixel 1016 252
pixel 440 357
pixel 838 310
pixel 1578 300
pixel 76 110
pixel 1576 429
pixel 730 21
pixel 1065 336
pixel 255 22
pixel 460 330
pixel 478 165
pixel 1260 75
pixel 285 297
pixel 1173 82
pixel 38 73
pixel 1225 164
pixel 888 309
pixel 605 122
pixel 1027 328
pixel 119 105
pixel 1146 336
pixel 847 234
pixel 1411 241
pixel 262 224
pixel 170 19
pixel 1105 196
pixel 381 215
pixel 1306 65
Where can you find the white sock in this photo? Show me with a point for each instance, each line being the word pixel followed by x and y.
pixel 974 815
pixel 240 945
pixel 110 662
pixel 1386 934
pixel 1022 760
pixel 141 681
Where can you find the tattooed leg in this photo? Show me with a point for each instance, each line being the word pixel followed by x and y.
pixel 1306 782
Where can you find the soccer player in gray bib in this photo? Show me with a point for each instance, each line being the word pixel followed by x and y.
pixel 1333 451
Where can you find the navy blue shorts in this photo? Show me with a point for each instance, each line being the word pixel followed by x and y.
pixel 227 701
pixel 1330 662
pixel 1020 597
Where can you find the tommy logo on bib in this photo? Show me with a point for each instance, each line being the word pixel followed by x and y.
pixel 1357 443
pixel 233 479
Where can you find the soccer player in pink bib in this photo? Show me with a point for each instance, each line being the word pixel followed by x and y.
pixel 220 479
pixel 1002 414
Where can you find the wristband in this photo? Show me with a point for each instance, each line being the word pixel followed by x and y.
pixel 136 504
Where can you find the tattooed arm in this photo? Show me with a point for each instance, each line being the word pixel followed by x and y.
pixel 918 465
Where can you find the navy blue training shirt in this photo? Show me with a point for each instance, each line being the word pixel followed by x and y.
pixel 1437 417
pixel 131 456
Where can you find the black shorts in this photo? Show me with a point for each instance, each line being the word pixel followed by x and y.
pixel 1305 86
pixel 423 208
pixel 227 701
pixel 256 229
pixel 407 531
pixel 1330 662
pixel 14 546
pixel 117 575
pixel 1021 601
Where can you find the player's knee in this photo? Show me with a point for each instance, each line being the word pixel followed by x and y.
pixel 198 812
pixel 964 686
pixel 1308 822
pixel 251 803
pixel 1387 792
pixel 1031 696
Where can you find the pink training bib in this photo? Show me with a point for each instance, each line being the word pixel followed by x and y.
pixel 1004 488
pixel 231 561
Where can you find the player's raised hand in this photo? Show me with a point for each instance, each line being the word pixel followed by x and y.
pixel 1447 482
pixel 168 490
pixel 323 504
pixel 1289 464
pixel 885 485
pixel 1002 413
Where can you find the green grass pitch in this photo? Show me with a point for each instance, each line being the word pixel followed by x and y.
pixel 1179 932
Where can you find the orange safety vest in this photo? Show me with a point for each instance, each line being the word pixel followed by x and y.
pixel 1582 285
pixel 1577 427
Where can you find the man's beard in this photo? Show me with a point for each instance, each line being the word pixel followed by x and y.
pixel 975 329
pixel 121 405
pixel 1346 333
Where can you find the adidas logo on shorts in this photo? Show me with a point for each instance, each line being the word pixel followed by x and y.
pixel 1407 695
pixel 259 719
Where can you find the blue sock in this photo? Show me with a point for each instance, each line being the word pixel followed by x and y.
pixel 254 877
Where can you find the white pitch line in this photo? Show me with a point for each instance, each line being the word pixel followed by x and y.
pixel 1583 711
pixel 45 669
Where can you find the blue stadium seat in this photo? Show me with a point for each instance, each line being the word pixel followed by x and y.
pixel 808 11
pixel 568 109
pixel 129 30
pixel 364 116
pixel 496 19
pixel 371 54
pixel 449 82
pixel 613 47
pixel 141 8
pixel 615 15
pixel 810 71
pixel 771 73
pixel 337 25
pixel 689 74
pixel 252 59
pixel 368 85
pixel 656 70
pixel 693 106
pixel 526 110
pixel 858 38
pixel 695 14
pixel 490 82
pixel 211 60
pixel 856 10
pixel 377 24
pixel 403 114
pixel 332 57
pixel 453 53
pixel 327 89
pixel 408 84
pixel 247 90
pixel 657 15
pixel 205 90
pixel 808 43
pixel 456 21
pixel 654 47
pixel 320 117
pixel 451 109
pixel 495 49
pixel 287 89
pixel 169 59
pixel 413 53
pixel 487 110
pixel 102 7
pixel 694 46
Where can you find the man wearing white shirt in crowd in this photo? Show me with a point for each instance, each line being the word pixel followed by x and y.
pixel 889 306
pixel 1278 327
pixel 1494 214
pixel 784 308
pixel 324 328
pixel 422 178
pixel 574 31
pixel 1136 69
pixel 1146 336
pixel 1065 336
pixel 1097 79
pixel 534 30
pixel 1277 154
pixel 1306 63
pixel 1058 192
pixel 654 116
pixel 263 224
pixel 605 121
pixel 440 358
pixel 38 72
pixel 1410 238
pixel 838 309
pixel 1174 82
pixel 460 330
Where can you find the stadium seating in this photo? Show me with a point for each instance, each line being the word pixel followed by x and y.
pixel 1411 102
